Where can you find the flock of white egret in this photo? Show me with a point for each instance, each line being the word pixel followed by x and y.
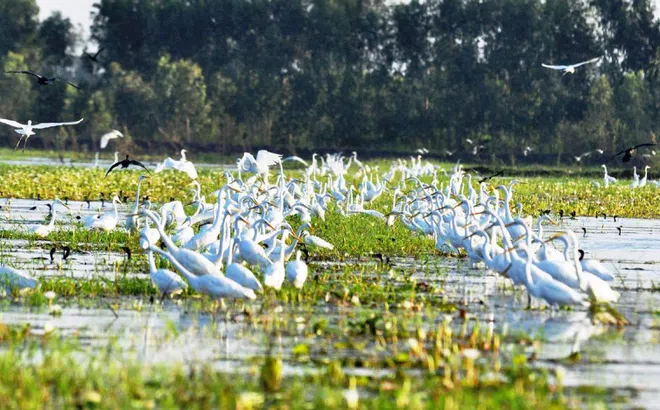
pixel 244 242
pixel 636 182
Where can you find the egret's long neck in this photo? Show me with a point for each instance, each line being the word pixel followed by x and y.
pixel 166 239
pixel 191 278
pixel 230 247
pixel 52 219
pixel 137 196
pixel 152 262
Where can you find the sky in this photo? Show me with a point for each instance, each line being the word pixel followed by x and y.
pixel 79 10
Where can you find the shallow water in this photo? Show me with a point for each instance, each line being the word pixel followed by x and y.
pixel 626 360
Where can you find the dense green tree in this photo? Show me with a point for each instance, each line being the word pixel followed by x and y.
pixel 56 37
pixel 18 24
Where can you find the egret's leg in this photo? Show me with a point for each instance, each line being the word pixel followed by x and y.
pixel 19 142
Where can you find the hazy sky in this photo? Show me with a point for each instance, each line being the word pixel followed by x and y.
pixel 79 10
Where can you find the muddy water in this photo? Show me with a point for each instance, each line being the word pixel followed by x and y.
pixel 626 360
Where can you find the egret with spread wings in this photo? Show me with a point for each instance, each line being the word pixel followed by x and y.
pixel 125 163
pixel 629 152
pixel 26 130
pixel 110 136
pixel 570 68
pixel 259 165
pixel 40 78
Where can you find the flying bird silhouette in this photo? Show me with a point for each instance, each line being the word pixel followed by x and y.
pixel 40 78
pixel 488 178
pixel 125 163
pixel 570 68
pixel 94 57
pixel 629 152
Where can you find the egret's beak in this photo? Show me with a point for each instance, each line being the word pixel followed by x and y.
pixel 554 236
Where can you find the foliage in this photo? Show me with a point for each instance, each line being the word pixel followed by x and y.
pixel 301 76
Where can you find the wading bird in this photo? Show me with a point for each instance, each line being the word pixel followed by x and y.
pixel 25 130
pixel 42 230
pixel 570 68
pixel 110 136
pixel 165 280
pixel 629 152
pixel 40 78
pixel 125 163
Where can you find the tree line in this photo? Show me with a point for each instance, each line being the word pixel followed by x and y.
pixel 299 75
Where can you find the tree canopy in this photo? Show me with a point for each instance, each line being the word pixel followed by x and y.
pixel 301 75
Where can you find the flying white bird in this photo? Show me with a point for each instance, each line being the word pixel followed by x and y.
pixel 182 165
pixel 110 136
pixel 527 150
pixel 26 129
pixel 584 155
pixel 570 68
pixel 260 165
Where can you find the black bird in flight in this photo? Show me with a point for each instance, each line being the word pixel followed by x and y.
pixel 40 78
pixel 488 178
pixel 628 152
pixel 94 56
pixel 125 163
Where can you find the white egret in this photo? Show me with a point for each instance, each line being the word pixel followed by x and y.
pixel 240 274
pixel 132 222
pixel 182 165
pixel 595 267
pixel 579 158
pixel 106 222
pixel 642 182
pixel 313 240
pixel 26 130
pixel 212 285
pixel 296 271
pixel 165 280
pixel 606 178
pixel 550 290
pixel 110 136
pixel 275 272
pixel 192 261
pixel 42 230
pixel 261 164
pixel 570 68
